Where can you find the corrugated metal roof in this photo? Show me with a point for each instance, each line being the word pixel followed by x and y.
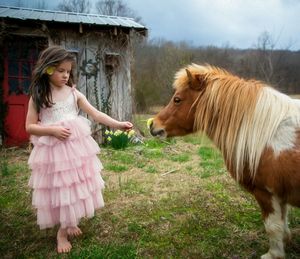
pixel 68 17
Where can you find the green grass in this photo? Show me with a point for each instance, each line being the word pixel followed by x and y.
pixel 180 158
pixel 117 251
pixel 163 199
pixel 211 161
pixel 116 167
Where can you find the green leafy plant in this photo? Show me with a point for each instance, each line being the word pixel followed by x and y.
pixel 119 139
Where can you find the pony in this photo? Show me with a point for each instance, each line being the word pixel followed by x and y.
pixel 257 129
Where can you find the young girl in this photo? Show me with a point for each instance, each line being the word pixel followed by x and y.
pixel 65 169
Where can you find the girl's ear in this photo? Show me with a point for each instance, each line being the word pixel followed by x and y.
pixel 197 81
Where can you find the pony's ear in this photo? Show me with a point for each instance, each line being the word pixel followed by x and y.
pixel 196 82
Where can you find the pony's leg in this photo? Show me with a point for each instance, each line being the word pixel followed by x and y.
pixel 287 233
pixel 274 223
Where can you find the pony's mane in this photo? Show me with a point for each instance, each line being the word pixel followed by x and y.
pixel 240 116
pixel 181 79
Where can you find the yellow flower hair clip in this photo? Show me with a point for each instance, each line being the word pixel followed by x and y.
pixel 50 70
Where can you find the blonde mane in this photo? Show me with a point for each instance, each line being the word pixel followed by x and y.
pixel 240 116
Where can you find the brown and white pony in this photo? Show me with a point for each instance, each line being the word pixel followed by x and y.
pixel 257 130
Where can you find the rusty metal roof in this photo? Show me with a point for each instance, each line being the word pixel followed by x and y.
pixel 68 17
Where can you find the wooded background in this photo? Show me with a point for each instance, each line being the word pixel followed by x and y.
pixel 157 61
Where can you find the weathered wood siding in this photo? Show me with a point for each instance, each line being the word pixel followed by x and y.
pixel 103 72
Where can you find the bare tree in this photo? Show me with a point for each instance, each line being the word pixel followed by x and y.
pixel 76 6
pixel 116 8
pixel 264 54
pixel 267 60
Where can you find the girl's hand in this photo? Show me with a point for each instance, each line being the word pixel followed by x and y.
pixel 60 132
pixel 125 125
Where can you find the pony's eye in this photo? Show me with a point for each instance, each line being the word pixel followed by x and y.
pixel 177 100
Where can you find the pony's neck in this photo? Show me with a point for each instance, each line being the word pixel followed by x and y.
pixel 240 117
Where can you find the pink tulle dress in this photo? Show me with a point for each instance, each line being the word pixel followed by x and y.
pixel 65 177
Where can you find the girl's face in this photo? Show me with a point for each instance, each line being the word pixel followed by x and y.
pixel 61 74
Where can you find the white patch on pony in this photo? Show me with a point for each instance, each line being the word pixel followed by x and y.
pixel 284 138
pixel 275 225
pixel 274 122
pixel 287 232
pixel 285 135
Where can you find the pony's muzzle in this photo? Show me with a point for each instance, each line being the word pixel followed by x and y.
pixel 157 132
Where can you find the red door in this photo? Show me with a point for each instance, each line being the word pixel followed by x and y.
pixel 21 54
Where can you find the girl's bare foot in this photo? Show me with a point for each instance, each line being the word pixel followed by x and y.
pixel 63 245
pixel 74 231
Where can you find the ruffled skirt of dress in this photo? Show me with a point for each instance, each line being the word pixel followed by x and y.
pixel 65 178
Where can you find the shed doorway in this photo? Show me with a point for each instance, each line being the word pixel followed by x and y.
pixel 20 56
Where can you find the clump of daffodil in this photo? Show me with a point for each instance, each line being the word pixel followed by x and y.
pixel 119 139
pixel 149 122
pixel 131 133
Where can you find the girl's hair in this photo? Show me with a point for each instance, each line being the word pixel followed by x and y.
pixel 40 88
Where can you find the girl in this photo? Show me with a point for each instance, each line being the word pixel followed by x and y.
pixel 65 168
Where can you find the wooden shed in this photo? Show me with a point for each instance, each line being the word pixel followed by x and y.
pixel 103 48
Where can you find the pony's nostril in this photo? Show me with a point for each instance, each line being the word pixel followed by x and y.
pixel 160 132
pixel 157 132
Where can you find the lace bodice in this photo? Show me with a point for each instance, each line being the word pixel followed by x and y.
pixel 60 111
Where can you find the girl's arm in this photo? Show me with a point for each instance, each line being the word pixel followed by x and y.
pixel 100 117
pixel 33 128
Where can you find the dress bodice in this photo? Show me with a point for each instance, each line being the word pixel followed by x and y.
pixel 60 111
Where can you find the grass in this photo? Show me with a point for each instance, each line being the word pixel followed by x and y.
pixel 163 200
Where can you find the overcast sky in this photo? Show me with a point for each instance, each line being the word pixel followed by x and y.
pixel 237 23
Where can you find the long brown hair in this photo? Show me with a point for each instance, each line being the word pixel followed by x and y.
pixel 40 88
